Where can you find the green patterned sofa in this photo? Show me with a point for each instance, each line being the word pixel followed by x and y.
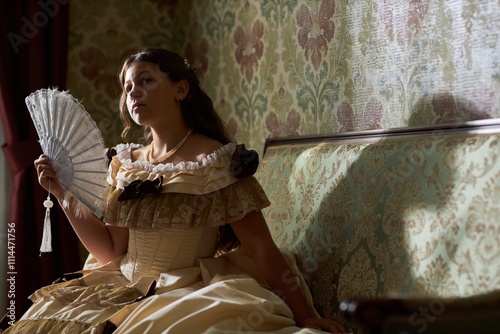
pixel 411 213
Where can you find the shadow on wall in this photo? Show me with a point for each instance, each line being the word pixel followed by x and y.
pixel 388 213
pixel 445 108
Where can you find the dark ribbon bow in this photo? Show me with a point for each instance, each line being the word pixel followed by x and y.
pixel 140 188
pixel 244 162
pixel 110 153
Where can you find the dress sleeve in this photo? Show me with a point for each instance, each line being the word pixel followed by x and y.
pixel 185 211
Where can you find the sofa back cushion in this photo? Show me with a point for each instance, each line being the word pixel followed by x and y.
pixel 407 213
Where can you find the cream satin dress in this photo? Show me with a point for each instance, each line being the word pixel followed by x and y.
pixel 169 281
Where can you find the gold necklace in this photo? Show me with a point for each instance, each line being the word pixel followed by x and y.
pixel 150 151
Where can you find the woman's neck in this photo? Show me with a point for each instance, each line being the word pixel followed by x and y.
pixel 166 140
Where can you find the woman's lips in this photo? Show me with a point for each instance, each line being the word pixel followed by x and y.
pixel 137 105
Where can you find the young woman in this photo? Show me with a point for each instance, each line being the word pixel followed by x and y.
pixel 184 247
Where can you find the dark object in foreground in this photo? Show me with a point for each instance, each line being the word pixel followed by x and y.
pixel 475 314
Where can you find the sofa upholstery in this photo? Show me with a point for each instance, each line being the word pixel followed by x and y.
pixel 401 213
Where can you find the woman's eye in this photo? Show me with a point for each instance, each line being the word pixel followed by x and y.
pixel 147 80
pixel 128 88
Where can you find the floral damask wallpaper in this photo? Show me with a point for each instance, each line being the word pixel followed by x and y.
pixel 278 68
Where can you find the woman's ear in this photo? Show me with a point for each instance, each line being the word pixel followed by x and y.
pixel 182 89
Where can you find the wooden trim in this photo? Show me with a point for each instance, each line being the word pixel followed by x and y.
pixel 375 315
pixel 486 126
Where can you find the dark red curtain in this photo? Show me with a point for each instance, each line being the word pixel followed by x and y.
pixel 33 55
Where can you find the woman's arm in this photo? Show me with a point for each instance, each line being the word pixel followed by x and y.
pixel 255 238
pixel 104 242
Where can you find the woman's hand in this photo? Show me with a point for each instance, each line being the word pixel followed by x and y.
pixel 47 176
pixel 103 241
pixel 323 324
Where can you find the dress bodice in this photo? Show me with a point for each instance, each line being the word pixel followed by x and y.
pixel 179 223
pixel 151 252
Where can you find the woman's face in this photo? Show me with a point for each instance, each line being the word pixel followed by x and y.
pixel 151 95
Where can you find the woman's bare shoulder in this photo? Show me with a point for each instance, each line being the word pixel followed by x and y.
pixel 200 146
pixel 139 153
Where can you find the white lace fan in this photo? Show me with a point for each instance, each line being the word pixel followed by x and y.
pixel 73 142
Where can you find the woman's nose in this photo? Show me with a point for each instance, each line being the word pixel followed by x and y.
pixel 135 92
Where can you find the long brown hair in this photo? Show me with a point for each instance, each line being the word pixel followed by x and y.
pixel 197 107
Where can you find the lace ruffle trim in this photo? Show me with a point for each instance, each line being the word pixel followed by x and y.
pixel 124 154
pixel 186 211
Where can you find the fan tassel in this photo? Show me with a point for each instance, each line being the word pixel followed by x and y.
pixel 47 230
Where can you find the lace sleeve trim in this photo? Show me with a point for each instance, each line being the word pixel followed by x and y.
pixel 186 211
